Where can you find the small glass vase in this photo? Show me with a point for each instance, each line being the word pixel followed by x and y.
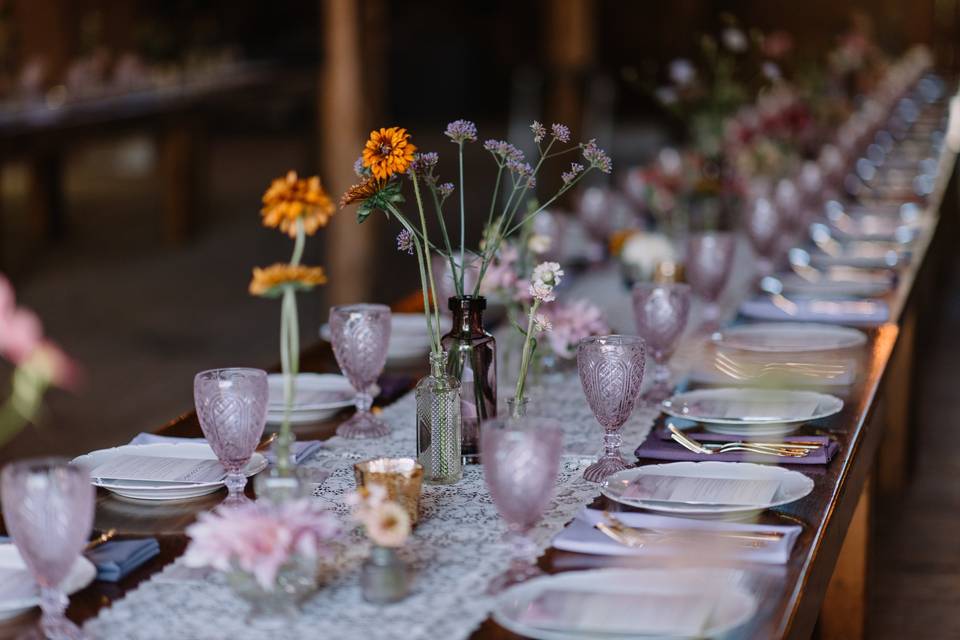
pixel 295 582
pixel 438 424
pixel 384 577
pixel 472 359
pixel 284 480
pixel 517 409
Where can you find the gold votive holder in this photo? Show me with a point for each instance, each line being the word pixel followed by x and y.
pixel 668 271
pixel 401 477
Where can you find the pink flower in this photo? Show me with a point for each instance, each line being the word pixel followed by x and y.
pixel 573 322
pixel 259 538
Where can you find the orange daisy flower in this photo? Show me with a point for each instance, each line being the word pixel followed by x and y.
pixel 267 279
pixel 362 191
pixel 388 152
pixel 291 198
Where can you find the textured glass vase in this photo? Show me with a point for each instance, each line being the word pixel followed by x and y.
pixel 383 578
pixel 438 424
pixel 295 582
pixel 472 359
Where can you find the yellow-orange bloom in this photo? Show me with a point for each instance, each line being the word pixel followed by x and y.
pixel 387 152
pixel 266 279
pixel 362 191
pixel 291 198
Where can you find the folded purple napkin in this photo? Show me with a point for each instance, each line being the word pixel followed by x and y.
pixel 659 446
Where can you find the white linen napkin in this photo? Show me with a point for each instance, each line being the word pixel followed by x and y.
pixel 302 449
pixel 580 536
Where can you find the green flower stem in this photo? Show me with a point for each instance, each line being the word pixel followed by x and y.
pixel 462 215
pixel 432 282
pixel 527 352
pixel 446 240
pixel 418 250
pixel 298 243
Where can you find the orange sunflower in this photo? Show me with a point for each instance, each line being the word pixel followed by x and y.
pixel 388 152
pixel 291 198
pixel 269 278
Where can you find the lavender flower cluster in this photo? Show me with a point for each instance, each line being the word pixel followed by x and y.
pixel 461 131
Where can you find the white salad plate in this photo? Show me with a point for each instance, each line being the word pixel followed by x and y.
pixel 717 590
pixel 751 411
pixel 793 485
pixel 409 339
pixel 788 337
pixel 317 396
pixel 876 285
pixel 161 491
pixel 19 593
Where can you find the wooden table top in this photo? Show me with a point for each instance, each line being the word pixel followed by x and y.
pixel 791 595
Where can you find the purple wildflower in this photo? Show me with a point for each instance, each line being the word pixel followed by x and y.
pixel 359 169
pixel 461 131
pixel 519 167
pixel 597 157
pixel 561 132
pixel 575 169
pixel 504 150
pixel 445 189
pixel 405 242
pixel 539 132
pixel 424 163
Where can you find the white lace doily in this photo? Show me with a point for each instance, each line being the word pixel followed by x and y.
pixel 455 551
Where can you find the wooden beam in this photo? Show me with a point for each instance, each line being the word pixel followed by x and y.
pixel 350 258
pixel 843 614
pixel 569 46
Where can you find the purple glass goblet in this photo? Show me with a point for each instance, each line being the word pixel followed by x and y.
pixel 708 265
pixel 360 334
pixel 232 410
pixel 762 223
pixel 521 459
pixel 48 510
pixel 611 371
pixel 661 312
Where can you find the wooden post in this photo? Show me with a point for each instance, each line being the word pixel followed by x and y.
pixel 45 209
pixel 569 49
pixel 182 161
pixel 843 613
pixel 342 132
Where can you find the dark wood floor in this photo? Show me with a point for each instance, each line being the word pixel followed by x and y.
pixel 915 586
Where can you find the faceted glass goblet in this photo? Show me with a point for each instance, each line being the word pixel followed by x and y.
pixel 360 335
pixel 661 312
pixel 521 459
pixel 708 266
pixel 48 510
pixel 763 225
pixel 611 371
pixel 232 410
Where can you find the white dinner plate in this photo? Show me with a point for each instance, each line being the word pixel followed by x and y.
pixel 81 574
pixel 794 285
pixel 793 486
pixel 734 605
pixel 312 392
pixel 751 411
pixel 789 337
pixel 134 490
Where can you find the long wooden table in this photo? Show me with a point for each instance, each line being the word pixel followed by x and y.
pixel 831 555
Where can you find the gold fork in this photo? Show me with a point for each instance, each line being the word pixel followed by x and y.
pixel 785 450
pixel 637 537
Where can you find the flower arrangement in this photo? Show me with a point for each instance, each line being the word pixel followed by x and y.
pixel 569 323
pixel 38 363
pixel 546 277
pixel 386 523
pixel 297 207
pixel 389 155
pixel 260 538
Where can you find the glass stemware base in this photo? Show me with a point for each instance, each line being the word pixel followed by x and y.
pixel 523 565
pixel 661 389
pixel 363 425
pixel 54 624
pixel 606 466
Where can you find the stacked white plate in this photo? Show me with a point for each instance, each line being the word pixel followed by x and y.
pixel 161 491
pixel 317 396
pixel 788 337
pixel 19 592
pixel 793 485
pixel 409 339
pixel 750 412
pixel 626 603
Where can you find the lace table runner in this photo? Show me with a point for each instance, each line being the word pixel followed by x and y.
pixel 456 549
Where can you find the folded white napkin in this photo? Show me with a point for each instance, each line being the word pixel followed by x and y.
pixel 302 449
pixel 580 536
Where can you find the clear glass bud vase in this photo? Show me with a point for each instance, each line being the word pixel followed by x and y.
pixel 438 424
pixel 472 360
